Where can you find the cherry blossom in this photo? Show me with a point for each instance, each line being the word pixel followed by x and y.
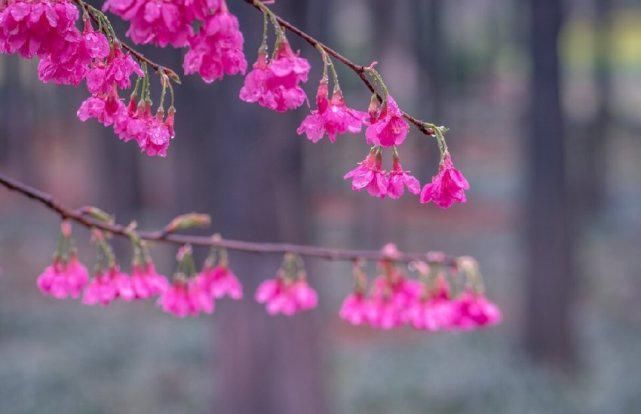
pixel 113 72
pixel 473 310
pixel 447 187
pixel 355 309
pixel 37 28
pixel 220 281
pixel 399 179
pixel 105 287
pixel 217 49
pixel 332 116
pixel 63 279
pixel 146 282
pixel 369 175
pixel 387 126
pixel 158 22
pixel 285 296
pixel 70 65
pixel 275 83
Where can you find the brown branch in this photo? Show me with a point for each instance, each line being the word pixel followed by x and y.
pixel 252 247
pixel 360 70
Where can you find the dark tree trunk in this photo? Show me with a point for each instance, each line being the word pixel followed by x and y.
pixel 592 149
pixel 244 164
pixel 551 280
pixel 432 63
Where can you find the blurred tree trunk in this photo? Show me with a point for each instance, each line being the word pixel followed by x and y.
pixel 432 63
pixel 16 123
pixel 592 149
pixel 549 333
pixel 244 164
pixel 430 53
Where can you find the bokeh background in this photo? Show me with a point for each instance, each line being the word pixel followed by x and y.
pixel 543 99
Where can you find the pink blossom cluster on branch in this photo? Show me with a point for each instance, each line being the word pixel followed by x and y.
pixel 426 303
pixel 393 300
pixel 210 33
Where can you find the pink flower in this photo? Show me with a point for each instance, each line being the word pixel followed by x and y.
pixel 217 50
pixel 158 22
pixel 447 187
pixel 332 117
pixel 113 72
pixel 369 175
pixel 186 298
pixel 355 309
pixel 286 296
pixel 387 128
pixel 147 282
pixel 124 286
pixel 70 65
pixel 434 310
pixel 105 287
pixel 275 84
pixel 201 299
pixel 37 28
pixel 399 179
pixel 176 300
pixel 220 281
pixel 391 296
pixel 63 279
pixel 474 310
pixel 106 110
pixel 152 133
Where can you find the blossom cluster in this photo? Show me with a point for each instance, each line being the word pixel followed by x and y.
pixel 275 83
pixel 214 50
pixel 188 293
pixel 69 55
pixel 396 300
pixel 72 51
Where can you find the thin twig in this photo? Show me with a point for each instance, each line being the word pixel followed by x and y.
pixel 360 70
pixel 252 247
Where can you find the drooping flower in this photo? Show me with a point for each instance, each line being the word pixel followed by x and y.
pixel 147 282
pixel 70 65
pixel 389 300
pixel 37 28
pixel 176 300
pixel 369 175
pixel 473 310
pixel 152 133
pixel 220 281
pixel 434 310
pixel 158 22
pixel 113 72
pixel 186 298
pixel 107 110
pixel 331 117
pixel 105 287
pixel 63 279
pixel 355 309
pixel 447 187
pixel 399 179
pixel 285 296
pixel 387 126
pixel 275 84
pixel 217 49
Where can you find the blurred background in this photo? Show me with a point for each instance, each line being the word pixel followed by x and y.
pixel 543 99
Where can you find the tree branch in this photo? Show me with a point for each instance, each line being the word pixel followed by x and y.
pixel 361 71
pixel 160 236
